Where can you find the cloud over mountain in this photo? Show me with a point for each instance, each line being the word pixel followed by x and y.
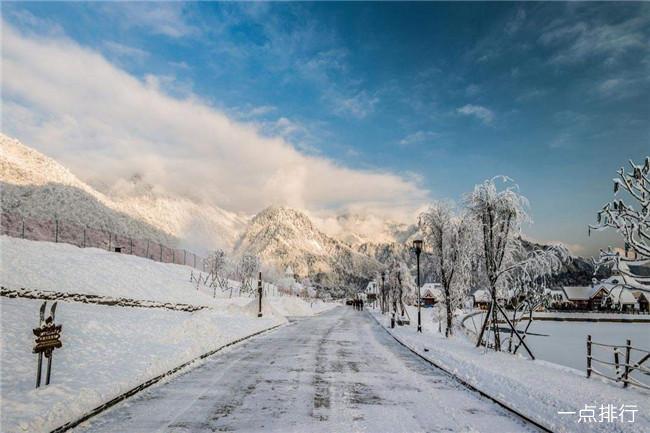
pixel 71 103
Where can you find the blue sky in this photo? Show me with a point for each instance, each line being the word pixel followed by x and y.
pixel 439 96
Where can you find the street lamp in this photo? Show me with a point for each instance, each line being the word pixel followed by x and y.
pixel 417 247
pixel 383 296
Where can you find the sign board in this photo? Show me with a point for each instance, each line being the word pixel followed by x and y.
pixel 48 338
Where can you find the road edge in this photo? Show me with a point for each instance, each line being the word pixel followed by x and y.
pixel 133 391
pixel 463 382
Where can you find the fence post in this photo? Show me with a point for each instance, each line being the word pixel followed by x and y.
pixel 23 227
pixel 174 255
pixel 161 247
pixel 148 249
pixel 618 370
pixel 56 230
pixel 110 235
pixel 131 239
pixel 84 237
pixel 628 347
pixel 588 356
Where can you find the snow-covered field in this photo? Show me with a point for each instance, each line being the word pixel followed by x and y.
pixel 108 350
pixel 564 342
pixel 538 389
pixel 67 268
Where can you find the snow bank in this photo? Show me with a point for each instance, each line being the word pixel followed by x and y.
pixel 538 389
pixel 106 351
pixel 67 268
pixel 251 309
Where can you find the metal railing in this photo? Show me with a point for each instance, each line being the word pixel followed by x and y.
pixel 62 231
pixel 622 371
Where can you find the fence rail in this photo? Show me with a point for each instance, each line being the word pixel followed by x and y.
pixel 62 231
pixel 622 370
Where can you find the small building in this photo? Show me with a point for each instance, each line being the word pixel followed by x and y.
pixel 481 299
pixel 431 294
pixel 584 297
pixel 622 299
pixel 372 291
pixel 643 301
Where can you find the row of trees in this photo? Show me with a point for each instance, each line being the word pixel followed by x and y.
pixel 479 244
pixel 223 269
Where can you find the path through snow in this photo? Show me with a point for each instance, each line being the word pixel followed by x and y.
pixel 337 372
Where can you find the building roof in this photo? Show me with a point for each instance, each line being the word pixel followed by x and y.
pixel 481 296
pixel 432 290
pixel 372 287
pixel 579 293
pixel 622 296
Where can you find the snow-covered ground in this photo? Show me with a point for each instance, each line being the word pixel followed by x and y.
pixel 108 350
pixel 564 342
pixel 538 389
pixel 66 268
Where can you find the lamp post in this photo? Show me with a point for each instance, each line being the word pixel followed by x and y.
pixel 417 247
pixel 259 294
pixel 383 295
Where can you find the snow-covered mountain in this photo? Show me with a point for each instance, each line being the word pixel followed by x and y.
pixel 37 186
pixel 287 237
pixel 357 229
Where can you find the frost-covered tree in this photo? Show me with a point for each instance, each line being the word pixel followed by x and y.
pixel 500 213
pixel 526 280
pixel 450 236
pixel 247 270
pixel 219 267
pixel 407 287
pixel 631 221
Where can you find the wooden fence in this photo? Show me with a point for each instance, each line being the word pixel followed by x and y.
pixel 622 366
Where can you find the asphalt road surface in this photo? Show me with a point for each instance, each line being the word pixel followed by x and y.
pixel 337 372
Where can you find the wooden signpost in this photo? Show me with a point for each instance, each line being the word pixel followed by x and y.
pixel 48 338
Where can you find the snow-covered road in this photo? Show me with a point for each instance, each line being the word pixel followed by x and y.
pixel 337 372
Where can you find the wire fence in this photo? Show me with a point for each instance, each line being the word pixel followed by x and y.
pixel 61 231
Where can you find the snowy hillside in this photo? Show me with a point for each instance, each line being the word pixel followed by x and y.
pixel 37 186
pixel 286 237
pixel 356 229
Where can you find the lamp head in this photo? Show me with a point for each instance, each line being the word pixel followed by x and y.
pixel 417 246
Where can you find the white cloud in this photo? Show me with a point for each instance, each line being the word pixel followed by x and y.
pixel 121 50
pixel 71 103
pixel 359 104
pixel 576 42
pixel 157 18
pixel 418 137
pixel 516 22
pixel 478 111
